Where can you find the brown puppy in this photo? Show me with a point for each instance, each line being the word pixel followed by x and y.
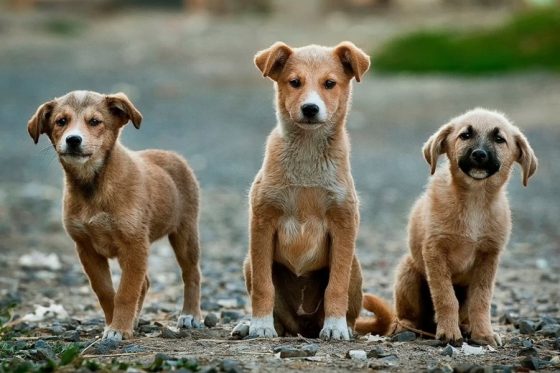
pixel 458 229
pixel 301 272
pixel 116 202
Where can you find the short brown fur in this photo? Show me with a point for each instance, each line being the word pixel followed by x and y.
pixel 117 201
pixel 457 231
pixel 303 206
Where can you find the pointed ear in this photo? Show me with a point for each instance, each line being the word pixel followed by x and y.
pixel 436 145
pixel 39 121
pixel 121 107
pixel 353 59
pixel 526 158
pixel 271 61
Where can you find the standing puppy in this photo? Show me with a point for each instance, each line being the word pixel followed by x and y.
pixel 458 229
pixel 116 202
pixel 301 272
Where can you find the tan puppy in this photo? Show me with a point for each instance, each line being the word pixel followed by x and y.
pixel 458 229
pixel 116 202
pixel 303 205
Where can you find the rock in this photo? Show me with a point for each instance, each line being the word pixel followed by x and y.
pixel 210 306
pixel 231 366
pixel 527 326
pixel 168 333
pixel 526 343
pixel 528 351
pixel 390 360
pixel 230 316
pixel 534 363
pixel 105 346
pixel 447 351
pixel 211 320
pixel 550 330
pixel 357 355
pixel 57 329
pixel 377 353
pixel 146 329
pixel 508 317
pixel 71 336
pixel 431 342
pixel 306 350
pixel 405 336
pixel 556 344
pixel 132 348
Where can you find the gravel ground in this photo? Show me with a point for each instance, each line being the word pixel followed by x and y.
pixel 194 82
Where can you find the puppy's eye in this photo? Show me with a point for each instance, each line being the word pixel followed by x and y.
pixel 296 83
pixel 499 139
pixel 94 122
pixel 465 135
pixel 61 122
pixel 329 84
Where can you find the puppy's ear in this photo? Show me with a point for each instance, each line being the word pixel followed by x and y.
pixel 526 157
pixel 353 59
pixel 39 121
pixel 436 145
pixel 271 61
pixel 121 107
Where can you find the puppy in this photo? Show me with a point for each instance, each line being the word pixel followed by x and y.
pixel 303 205
pixel 457 230
pixel 117 201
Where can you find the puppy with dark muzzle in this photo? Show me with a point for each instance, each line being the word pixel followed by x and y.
pixel 457 231
pixel 118 201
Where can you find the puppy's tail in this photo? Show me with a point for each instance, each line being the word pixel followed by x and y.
pixel 384 321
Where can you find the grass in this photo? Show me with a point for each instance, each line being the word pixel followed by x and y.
pixel 530 40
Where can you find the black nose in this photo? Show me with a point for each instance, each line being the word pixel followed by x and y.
pixel 479 156
pixel 74 141
pixel 309 110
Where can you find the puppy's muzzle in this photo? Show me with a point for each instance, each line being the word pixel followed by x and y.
pixel 479 163
pixel 73 142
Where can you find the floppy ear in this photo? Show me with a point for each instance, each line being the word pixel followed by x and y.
pixel 435 146
pixel 526 158
pixel 122 108
pixel 353 59
pixel 39 121
pixel 271 61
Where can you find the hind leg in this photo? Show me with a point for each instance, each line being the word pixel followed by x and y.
pixel 187 250
pixel 408 300
pixel 145 287
pixel 354 294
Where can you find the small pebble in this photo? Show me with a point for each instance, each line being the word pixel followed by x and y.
pixel 405 336
pixel 527 343
pixel 210 306
pixel 168 333
pixel 357 355
pixel 229 316
pixel 132 348
pixel 527 326
pixel 550 330
pixel 211 320
pixel 105 346
pixel 57 329
pixel 556 344
pixel 447 351
pixel 534 363
pixel 528 351
pixel 71 336
pixel 377 352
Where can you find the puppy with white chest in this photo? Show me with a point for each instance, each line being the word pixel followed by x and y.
pixel 457 231
pixel 118 201
pixel 301 271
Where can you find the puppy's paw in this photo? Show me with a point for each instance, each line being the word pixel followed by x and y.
pixel 116 335
pixel 241 330
pixel 262 327
pixel 335 328
pixel 188 322
pixel 450 334
pixel 490 338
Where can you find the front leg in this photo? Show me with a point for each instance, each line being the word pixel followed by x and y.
pixel 97 270
pixel 262 288
pixel 134 266
pixel 343 230
pixel 479 295
pixel 445 302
